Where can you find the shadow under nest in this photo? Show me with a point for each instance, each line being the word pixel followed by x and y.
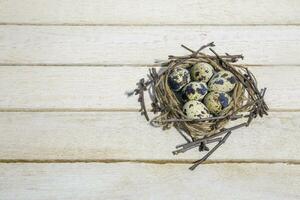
pixel 247 101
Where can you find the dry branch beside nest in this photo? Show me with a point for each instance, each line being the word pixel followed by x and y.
pixel 246 99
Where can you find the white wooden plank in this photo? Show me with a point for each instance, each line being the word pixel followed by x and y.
pixel 148 181
pixel 127 136
pixel 150 12
pixel 143 44
pixel 46 87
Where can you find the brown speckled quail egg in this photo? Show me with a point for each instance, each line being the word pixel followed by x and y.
pixel 202 72
pixel 195 110
pixel 194 91
pixel 223 81
pixel 178 78
pixel 216 102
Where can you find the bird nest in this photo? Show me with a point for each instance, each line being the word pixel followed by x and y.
pixel 247 101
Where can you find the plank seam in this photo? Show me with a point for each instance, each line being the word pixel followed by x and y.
pixel 119 65
pixel 67 110
pixel 188 161
pixel 103 110
pixel 138 25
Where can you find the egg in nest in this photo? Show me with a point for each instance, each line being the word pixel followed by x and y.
pixel 178 78
pixel 202 72
pixel 194 91
pixel 216 102
pixel 223 81
pixel 195 110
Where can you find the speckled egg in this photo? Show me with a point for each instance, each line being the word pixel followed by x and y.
pixel 216 101
pixel 202 72
pixel 194 91
pixel 195 110
pixel 223 81
pixel 178 78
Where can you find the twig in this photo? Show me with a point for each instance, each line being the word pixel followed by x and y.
pixel 210 152
pixel 262 107
pixel 191 145
pixel 183 135
pixel 207 141
pixel 185 47
pixel 211 44
pixel 141 98
pixel 194 53
pixel 234 58
pixel 154 77
pixel 204 119
pixel 203 147
pixel 230 58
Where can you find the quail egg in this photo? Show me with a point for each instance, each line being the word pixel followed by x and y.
pixel 202 72
pixel 194 91
pixel 223 81
pixel 216 101
pixel 195 110
pixel 178 78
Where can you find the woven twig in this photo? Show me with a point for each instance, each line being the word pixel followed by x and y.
pixel 247 101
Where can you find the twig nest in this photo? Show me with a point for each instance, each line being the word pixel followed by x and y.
pixel 216 102
pixel 220 91
pixel 202 72
pixel 195 110
pixel 200 93
pixel 223 81
pixel 194 91
pixel 178 78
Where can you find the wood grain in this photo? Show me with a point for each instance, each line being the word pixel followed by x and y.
pixel 147 181
pixel 127 136
pixel 150 12
pixel 70 56
pixel 113 45
pixel 104 88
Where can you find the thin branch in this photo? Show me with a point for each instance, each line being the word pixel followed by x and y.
pixel 141 98
pixel 183 135
pixel 191 145
pixel 208 141
pixel 204 119
pixel 210 152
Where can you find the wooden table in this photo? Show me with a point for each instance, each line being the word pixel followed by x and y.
pixel 68 131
